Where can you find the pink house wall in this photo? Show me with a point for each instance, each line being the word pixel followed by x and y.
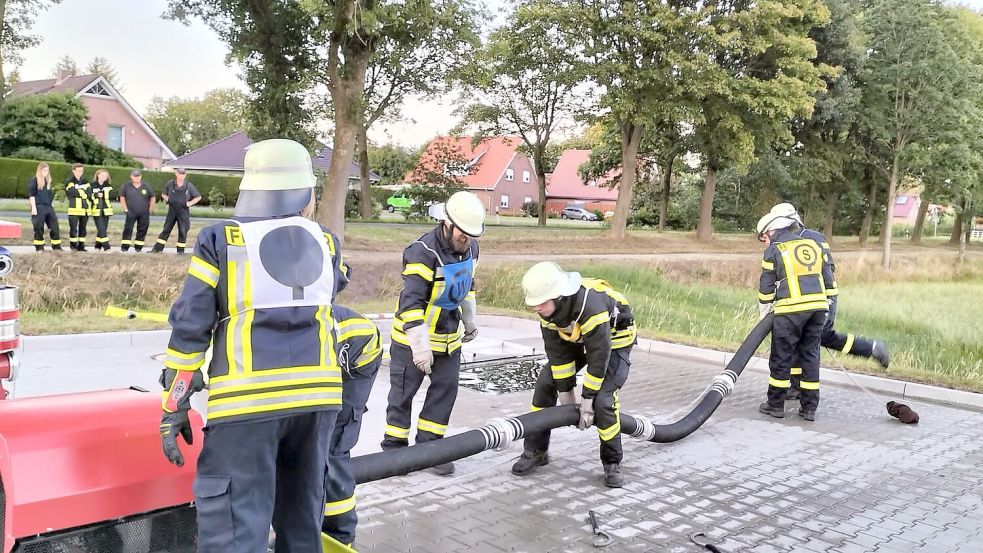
pixel 516 190
pixel 137 142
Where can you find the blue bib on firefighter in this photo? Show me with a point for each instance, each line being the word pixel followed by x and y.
pixel 457 283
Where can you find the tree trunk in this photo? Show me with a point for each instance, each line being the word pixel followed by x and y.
pixel 3 17
pixel 889 212
pixel 869 215
pixel 957 226
pixel 704 229
pixel 365 204
pixel 916 233
pixel 830 215
pixel 631 138
pixel 963 238
pixel 537 158
pixel 346 97
pixel 666 185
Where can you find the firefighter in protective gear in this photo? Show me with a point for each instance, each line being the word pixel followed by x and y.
pixel 179 196
pixel 101 208
pixel 794 280
pixel 852 344
pixel 77 190
pixel 359 354
pixel 585 322
pixel 259 291
pixel 436 313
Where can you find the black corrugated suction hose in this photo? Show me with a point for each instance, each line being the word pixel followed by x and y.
pixel 500 432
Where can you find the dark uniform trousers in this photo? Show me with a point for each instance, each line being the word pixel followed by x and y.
pixel 847 343
pixel 607 408
pixel 76 230
pixel 340 517
pixel 181 216
pixel 795 338
pixel 46 216
pixel 405 380
pixel 102 230
pixel 142 221
pixel 238 489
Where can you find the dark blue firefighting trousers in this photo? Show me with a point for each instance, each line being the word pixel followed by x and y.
pixel 254 473
pixel 405 381
pixel 339 482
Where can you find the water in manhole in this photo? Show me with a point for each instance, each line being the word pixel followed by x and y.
pixel 502 377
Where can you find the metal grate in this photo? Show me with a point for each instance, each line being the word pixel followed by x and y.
pixel 166 531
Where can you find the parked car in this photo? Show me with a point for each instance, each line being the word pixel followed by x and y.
pixel 399 201
pixel 577 212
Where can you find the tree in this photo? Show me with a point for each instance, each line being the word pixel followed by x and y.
pixel 759 76
pixel 188 124
pixel 392 162
pixel 16 19
pixel 525 81
pixel 911 73
pixel 101 66
pixel 404 64
pixel 54 122
pixel 67 65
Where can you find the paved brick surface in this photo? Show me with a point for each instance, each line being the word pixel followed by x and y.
pixel 855 480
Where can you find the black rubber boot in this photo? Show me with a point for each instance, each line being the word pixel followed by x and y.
pixel 768 409
pixel 807 415
pixel 39 248
pixel 393 443
pixel 57 248
pixel 881 354
pixel 792 395
pixel 445 469
pixel 529 461
pixel 612 475
pixel 158 248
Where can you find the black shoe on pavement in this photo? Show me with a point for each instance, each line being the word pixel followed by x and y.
pixel 807 415
pixel 81 248
pixel 389 444
pixel 39 248
pixel 612 475
pixel 777 412
pixel 529 461
pixel 881 354
pixel 792 395
pixel 445 469
pixel 57 248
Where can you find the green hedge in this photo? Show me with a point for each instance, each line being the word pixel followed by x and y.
pixel 14 174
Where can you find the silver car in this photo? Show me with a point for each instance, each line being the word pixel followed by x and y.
pixel 577 212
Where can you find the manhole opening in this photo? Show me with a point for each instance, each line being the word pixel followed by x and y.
pixel 502 377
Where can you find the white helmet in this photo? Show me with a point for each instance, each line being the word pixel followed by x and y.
pixel 786 210
pixel 770 221
pixel 547 281
pixel 464 210
pixel 278 179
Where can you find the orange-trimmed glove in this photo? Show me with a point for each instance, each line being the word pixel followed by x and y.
pixel 178 389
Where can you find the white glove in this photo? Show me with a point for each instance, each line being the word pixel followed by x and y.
pixel 568 398
pixel 764 309
pixel 469 309
pixel 420 346
pixel 586 413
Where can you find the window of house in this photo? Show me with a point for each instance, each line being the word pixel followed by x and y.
pixel 525 176
pixel 527 200
pixel 505 200
pixel 114 138
pixel 592 182
pixel 902 200
pixel 97 90
pixel 509 174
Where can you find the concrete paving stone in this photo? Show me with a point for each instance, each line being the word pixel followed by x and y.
pixel 896 545
pixel 865 540
pixel 850 548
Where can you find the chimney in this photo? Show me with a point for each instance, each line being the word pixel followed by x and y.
pixel 62 75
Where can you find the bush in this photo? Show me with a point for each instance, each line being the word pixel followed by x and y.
pixel 14 174
pixel 597 213
pixel 425 195
pixel 353 204
pixel 644 218
pixel 531 209
pixel 38 153
pixel 901 230
pixel 379 196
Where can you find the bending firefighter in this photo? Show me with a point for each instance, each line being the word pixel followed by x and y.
pixel 847 343
pixel 259 292
pixel 359 354
pixel 585 322
pixel 436 301
pixel 794 280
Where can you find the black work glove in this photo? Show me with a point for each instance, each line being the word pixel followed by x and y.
pixel 178 389
pixel 172 424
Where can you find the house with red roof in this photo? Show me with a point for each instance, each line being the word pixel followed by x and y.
pixel 493 169
pixel 112 120
pixel 906 208
pixel 565 185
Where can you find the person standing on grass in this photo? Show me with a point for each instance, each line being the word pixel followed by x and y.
pixel 179 195
pixel 77 190
pixel 42 212
pixel 436 301
pixel 137 201
pixel 101 208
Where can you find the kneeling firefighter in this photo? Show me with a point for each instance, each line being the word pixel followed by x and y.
pixel 437 299
pixel 259 289
pixel 359 354
pixel 794 280
pixel 852 344
pixel 585 322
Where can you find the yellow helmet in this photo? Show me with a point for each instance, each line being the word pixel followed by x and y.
pixel 278 179
pixel 547 281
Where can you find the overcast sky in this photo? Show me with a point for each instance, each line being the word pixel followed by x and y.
pixel 165 58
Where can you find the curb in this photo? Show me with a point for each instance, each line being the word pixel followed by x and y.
pixel 95 340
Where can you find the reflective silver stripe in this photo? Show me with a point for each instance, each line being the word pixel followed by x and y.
pixel 285 378
pixel 245 405
pixel 278 169
pixel 191 363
